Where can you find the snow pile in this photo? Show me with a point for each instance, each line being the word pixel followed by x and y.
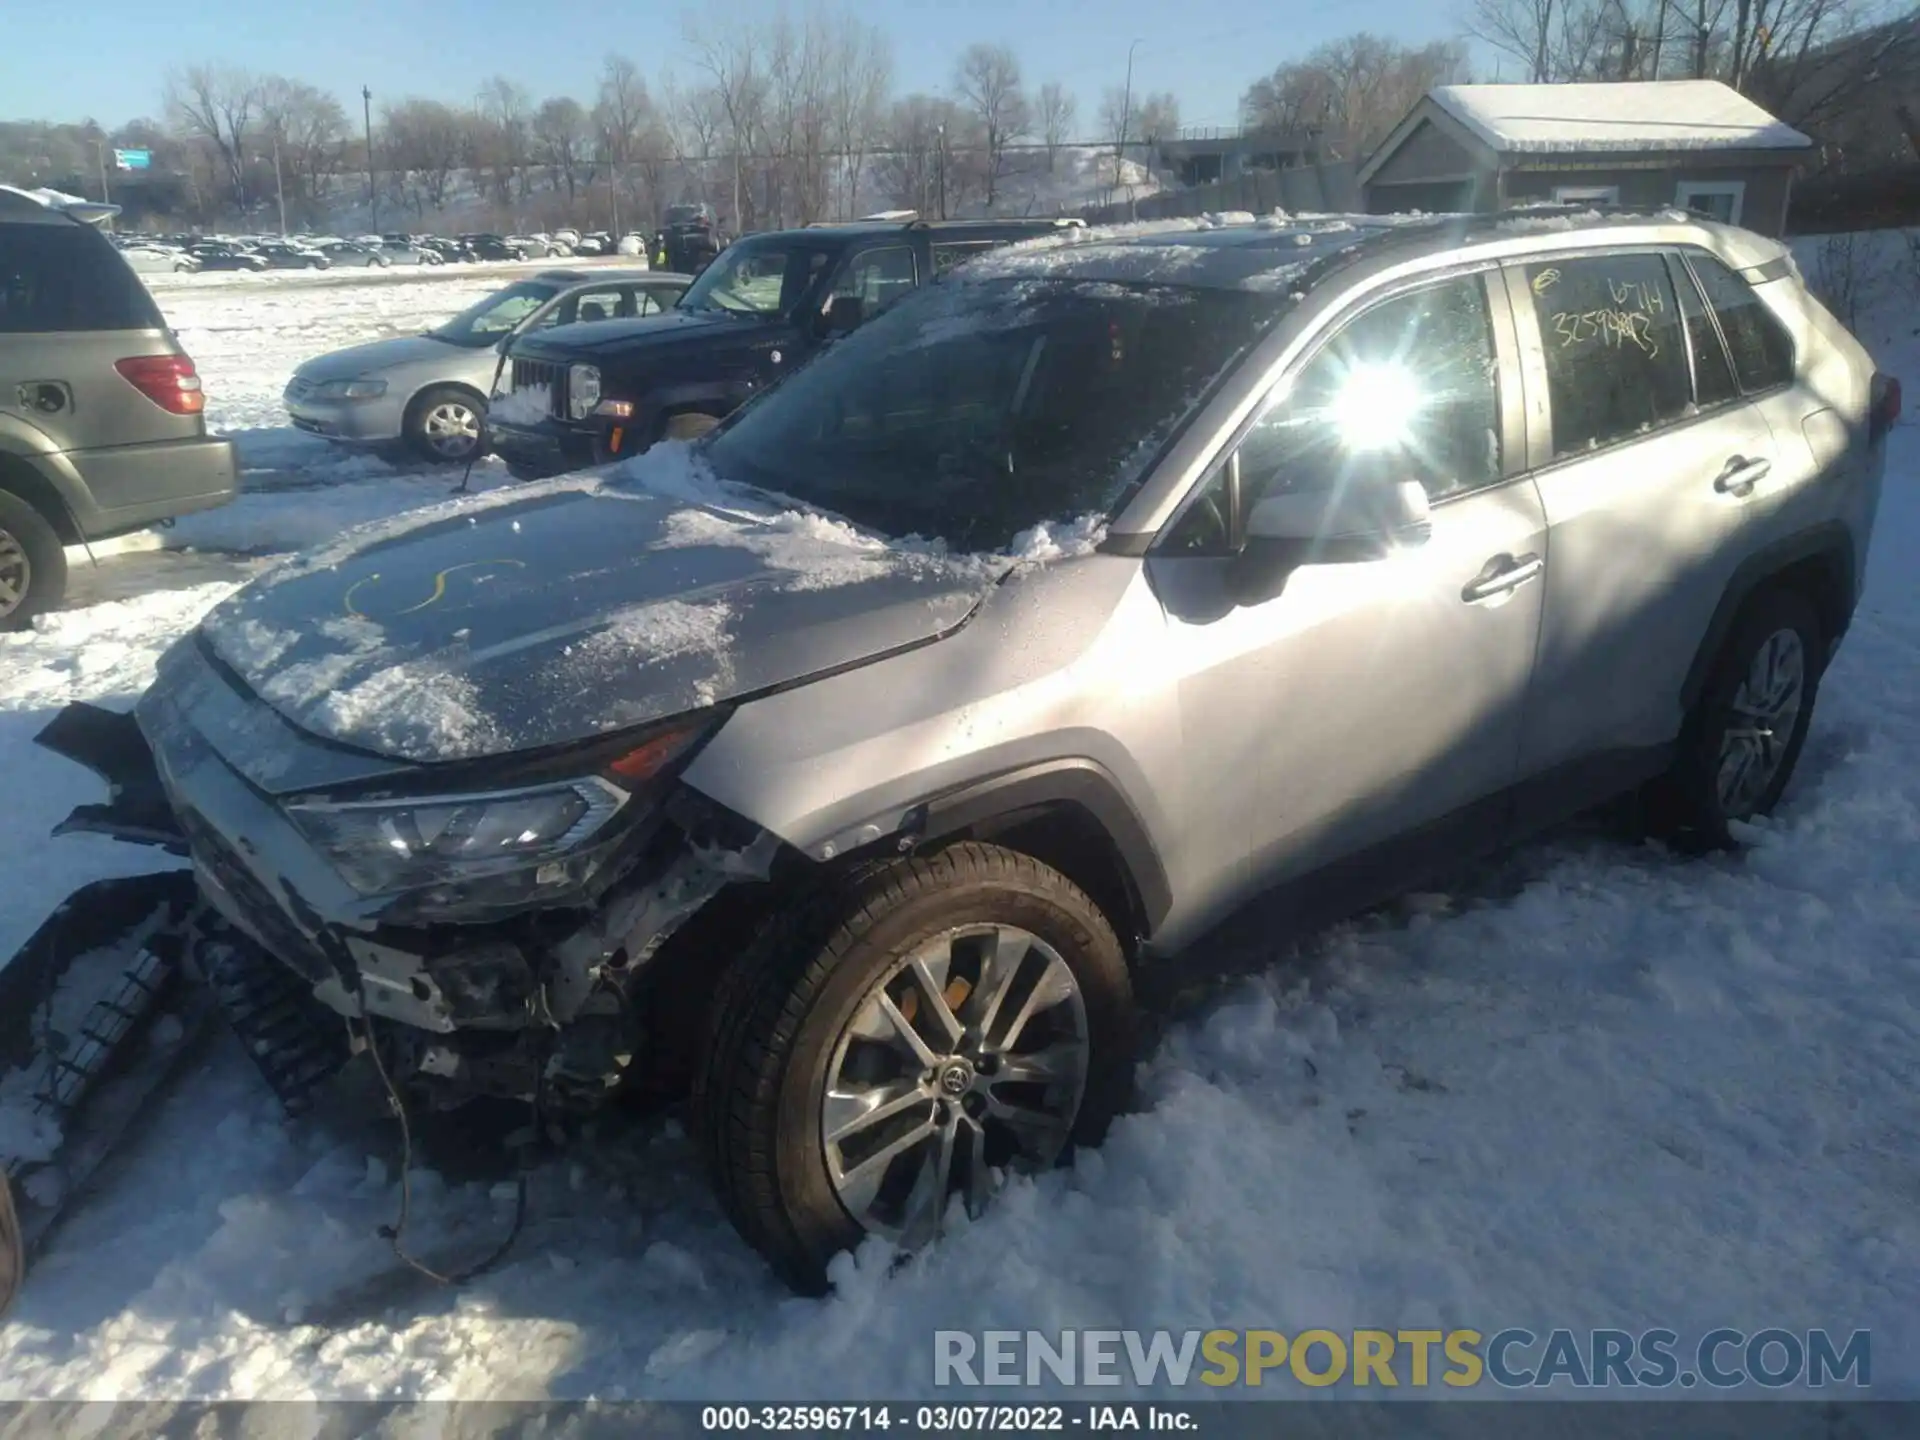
pixel 1056 541
pixel 521 407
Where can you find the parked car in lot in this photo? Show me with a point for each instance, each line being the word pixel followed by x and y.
pixel 595 242
pixel 431 390
pixel 449 251
pixel 100 409
pixel 1405 540
pixel 284 255
pixel 407 253
pixel 157 259
pixel 352 255
pixel 492 247
pixel 217 255
pixel 764 307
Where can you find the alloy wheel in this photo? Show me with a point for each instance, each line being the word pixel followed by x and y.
pixel 452 429
pixel 16 573
pixel 1765 712
pixel 970 1057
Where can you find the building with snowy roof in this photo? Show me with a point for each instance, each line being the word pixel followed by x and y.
pixel 1698 144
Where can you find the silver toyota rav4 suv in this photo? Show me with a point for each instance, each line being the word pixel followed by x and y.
pixel 853 765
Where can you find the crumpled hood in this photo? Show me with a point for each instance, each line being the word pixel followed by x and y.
pixel 379 355
pixel 544 615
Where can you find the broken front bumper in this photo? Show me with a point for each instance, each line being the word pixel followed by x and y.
pixel 521 968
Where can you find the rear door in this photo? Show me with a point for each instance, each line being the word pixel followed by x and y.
pixel 1811 435
pixel 1648 461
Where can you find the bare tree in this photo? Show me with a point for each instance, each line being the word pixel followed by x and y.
pixel 1351 91
pixel 730 57
pixel 561 136
pixel 620 115
pixel 424 141
pixel 987 80
pixel 217 104
pixel 307 130
pixel 862 66
pixel 1055 109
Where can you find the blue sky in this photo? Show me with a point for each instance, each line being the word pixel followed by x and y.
pixel 107 59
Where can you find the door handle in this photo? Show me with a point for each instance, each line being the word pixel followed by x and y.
pixel 1741 475
pixel 1502 574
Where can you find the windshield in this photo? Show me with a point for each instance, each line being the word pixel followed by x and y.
pixel 974 412
pixel 758 279
pixel 487 320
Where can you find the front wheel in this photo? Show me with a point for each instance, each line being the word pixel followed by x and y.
pixel 446 426
pixel 881 1058
pixel 33 565
pixel 1745 734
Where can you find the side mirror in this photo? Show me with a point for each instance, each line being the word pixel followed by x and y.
pixel 843 314
pixel 1357 520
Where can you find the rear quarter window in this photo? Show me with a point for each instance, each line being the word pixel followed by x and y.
pixel 1761 348
pixel 68 277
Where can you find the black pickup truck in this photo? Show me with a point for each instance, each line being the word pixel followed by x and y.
pixel 583 394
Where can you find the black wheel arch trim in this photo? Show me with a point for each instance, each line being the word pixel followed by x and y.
pixel 1032 789
pixel 1829 542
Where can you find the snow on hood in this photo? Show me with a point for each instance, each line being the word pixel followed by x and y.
pixel 552 613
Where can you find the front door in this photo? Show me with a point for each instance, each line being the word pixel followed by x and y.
pixel 1368 700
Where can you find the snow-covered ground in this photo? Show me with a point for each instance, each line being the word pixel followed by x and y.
pixel 1595 1085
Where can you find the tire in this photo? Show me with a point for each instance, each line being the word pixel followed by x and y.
pixel 687 425
pixel 1709 790
pixel 794 1009
pixel 33 565
pixel 437 413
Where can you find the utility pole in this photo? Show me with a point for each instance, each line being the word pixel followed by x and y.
pixel 373 191
pixel 940 165
pixel 279 189
pixel 100 159
pixel 1126 120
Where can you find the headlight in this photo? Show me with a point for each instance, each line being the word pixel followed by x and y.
pixel 383 846
pixel 583 390
pixel 349 389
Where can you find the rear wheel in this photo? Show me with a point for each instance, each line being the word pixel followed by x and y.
pixel 882 1056
pixel 446 426
pixel 1745 734
pixel 33 565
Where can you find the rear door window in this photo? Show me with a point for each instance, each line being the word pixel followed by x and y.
pixel 68 277
pixel 1761 348
pixel 878 278
pixel 1713 382
pixel 945 257
pixel 1616 349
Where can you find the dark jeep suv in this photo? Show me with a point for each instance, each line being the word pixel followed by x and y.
pixel 585 394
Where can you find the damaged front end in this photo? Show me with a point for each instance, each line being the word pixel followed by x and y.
pixel 488 926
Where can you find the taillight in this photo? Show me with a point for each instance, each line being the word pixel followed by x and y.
pixel 1886 405
pixel 170 381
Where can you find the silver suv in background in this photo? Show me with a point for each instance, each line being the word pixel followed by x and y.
pixel 430 390
pixel 101 429
pixel 1283 567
